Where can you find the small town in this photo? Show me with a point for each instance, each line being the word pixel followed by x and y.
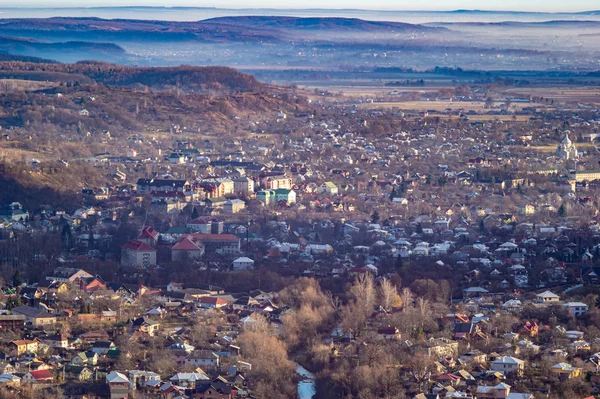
pixel 375 204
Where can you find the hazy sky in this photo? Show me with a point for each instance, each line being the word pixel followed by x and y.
pixel 516 5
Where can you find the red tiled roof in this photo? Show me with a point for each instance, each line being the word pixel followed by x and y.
pixel 148 232
pixel 42 374
pixel 212 300
pixel 136 245
pixel 186 244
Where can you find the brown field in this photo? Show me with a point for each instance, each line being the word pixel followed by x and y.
pixel 552 148
pixel 370 90
pixel 18 84
pixel 561 94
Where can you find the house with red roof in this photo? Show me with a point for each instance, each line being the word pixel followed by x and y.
pixel 187 249
pixel 138 253
pixel 216 243
pixel 38 376
pixel 149 236
pixel 211 302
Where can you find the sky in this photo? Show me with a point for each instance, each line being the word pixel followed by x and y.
pixel 441 5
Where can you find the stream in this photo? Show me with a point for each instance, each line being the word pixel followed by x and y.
pixel 306 386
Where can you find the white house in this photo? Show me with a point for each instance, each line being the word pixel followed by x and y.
pixel 576 308
pixel 508 365
pixel 328 188
pixel 243 263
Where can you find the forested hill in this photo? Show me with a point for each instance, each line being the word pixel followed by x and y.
pixel 184 78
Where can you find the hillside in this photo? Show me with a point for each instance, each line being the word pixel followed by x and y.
pixel 183 78
pixel 56 113
pixel 70 50
pixel 321 24
pixel 237 29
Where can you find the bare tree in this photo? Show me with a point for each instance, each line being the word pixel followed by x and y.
pixel 388 294
pixel 406 297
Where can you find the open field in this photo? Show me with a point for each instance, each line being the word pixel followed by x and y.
pixel 561 94
pixel 370 90
pixel 19 84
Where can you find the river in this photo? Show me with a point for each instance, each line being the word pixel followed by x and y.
pixel 306 386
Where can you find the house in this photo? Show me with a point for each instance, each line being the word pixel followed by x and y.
pixel 92 336
pixel 547 297
pixel 138 253
pixel 57 341
pixel 211 302
pixel 88 358
pixel 203 358
pixel 118 385
pixel 68 275
pixel 576 308
pixel 103 347
pixel 234 206
pixel 267 197
pixel 243 186
pixel 12 322
pixel 173 287
pixel 35 317
pixel 245 302
pixel 566 371
pixel 285 196
pixel 508 365
pixel 26 346
pixel 276 182
pixel 187 249
pixel 38 376
pixel 218 388
pixel 146 186
pixel 389 333
pixel 15 212
pixel 243 263
pixel 189 380
pixel 440 348
pixel 215 202
pixel 176 158
pixel 467 331
pixel 328 188
pixel 148 236
pixel 216 243
pixel 77 373
pixel 526 210
pixel 200 225
pixel 145 325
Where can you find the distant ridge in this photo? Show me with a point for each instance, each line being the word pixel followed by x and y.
pixel 316 23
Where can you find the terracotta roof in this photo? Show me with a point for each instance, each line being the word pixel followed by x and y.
pixel 41 374
pixel 213 301
pixel 186 244
pixel 148 232
pixel 136 245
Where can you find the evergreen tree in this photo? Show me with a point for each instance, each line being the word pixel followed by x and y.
pixel 399 262
pixel 562 211
pixel 66 236
pixel 375 217
pixel 195 214
pixel 419 228
pixel 393 194
pixel 17 279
